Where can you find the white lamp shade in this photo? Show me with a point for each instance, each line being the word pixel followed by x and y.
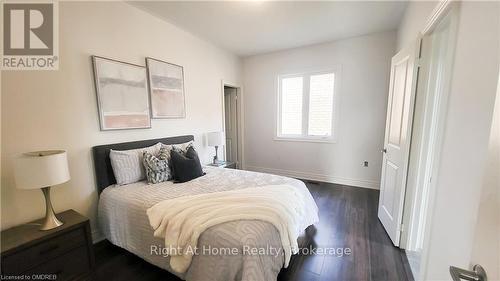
pixel 216 139
pixel 40 169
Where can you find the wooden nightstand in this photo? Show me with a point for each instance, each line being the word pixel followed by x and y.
pixel 222 164
pixel 65 253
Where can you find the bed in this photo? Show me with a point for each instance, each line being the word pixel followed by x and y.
pixel 123 220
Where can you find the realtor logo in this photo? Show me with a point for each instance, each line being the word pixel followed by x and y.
pixel 29 36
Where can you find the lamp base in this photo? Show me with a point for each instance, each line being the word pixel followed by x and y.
pixel 50 221
pixel 216 159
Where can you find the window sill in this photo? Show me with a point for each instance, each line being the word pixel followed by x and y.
pixel 305 140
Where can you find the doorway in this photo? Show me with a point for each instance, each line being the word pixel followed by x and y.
pixel 420 79
pixel 435 68
pixel 232 109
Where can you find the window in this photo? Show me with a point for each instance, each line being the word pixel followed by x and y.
pixel 291 108
pixel 307 106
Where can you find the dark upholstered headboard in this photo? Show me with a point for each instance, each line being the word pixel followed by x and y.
pixel 102 164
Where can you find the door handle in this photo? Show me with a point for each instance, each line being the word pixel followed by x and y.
pixel 476 274
pixel 384 150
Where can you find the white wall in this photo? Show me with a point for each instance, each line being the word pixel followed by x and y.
pixel 466 135
pixel 416 15
pixel 57 109
pixel 365 63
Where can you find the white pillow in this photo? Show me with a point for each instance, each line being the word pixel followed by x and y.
pixel 183 147
pixel 127 164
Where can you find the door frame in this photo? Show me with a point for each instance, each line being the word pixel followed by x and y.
pixel 437 113
pixel 443 9
pixel 240 116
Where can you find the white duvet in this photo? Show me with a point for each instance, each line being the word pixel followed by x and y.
pixel 124 222
pixel 181 221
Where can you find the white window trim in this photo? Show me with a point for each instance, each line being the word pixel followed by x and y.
pixel 305 107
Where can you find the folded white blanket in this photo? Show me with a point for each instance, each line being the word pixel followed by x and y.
pixel 182 220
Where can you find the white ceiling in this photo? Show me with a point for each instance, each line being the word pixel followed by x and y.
pixel 253 27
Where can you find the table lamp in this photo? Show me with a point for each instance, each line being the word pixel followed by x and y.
pixel 42 169
pixel 216 139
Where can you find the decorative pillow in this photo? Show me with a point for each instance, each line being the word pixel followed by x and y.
pixel 180 147
pixel 157 168
pixel 127 164
pixel 185 167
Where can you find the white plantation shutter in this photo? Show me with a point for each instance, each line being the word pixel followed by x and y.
pixel 306 107
pixel 321 104
pixel 291 105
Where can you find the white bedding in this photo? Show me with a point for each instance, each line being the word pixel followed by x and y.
pixel 124 222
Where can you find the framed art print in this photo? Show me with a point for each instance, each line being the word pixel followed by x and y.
pixel 122 94
pixel 166 87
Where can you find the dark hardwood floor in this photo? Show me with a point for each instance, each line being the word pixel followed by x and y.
pixel 348 219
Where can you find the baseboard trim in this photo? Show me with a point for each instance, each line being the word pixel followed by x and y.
pixel 97 236
pixel 316 177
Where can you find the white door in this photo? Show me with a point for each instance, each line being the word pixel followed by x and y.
pixel 231 123
pixel 397 140
pixel 486 248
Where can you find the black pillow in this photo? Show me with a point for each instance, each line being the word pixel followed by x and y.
pixel 185 167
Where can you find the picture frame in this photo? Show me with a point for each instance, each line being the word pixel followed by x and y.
pixel 166 89
pixel 122 94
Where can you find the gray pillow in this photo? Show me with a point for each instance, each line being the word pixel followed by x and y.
pixel 180 147
pixel 127 164
pixel 186 167
pixel 157 168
